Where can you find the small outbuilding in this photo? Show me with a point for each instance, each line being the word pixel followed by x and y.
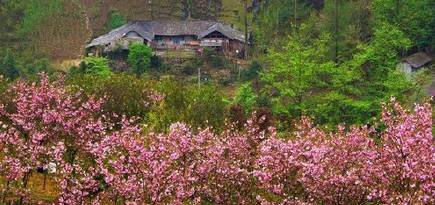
pixel 415 61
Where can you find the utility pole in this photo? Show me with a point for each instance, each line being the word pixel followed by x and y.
pixel 199 76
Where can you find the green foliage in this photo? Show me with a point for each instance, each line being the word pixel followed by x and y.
pixel 306 82
pixel 8 66
pixel 95 66
pixel 171 109
pixel 139 58
pixel 246 97
pixel 416 18
pixel 38 66
pixel 123 93
pixel 198 106
pixel 252 71
pixel 273 20
pixel 115 20
pixel 191 67
pixel 300 74
pixel 205 107
pixel 348 23
pixel 37 11
pixel 213 58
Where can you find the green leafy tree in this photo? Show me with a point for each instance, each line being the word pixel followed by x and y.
pixel 139 58
pixel 9 67
pixel 300 74
pixel 348 22
pixel 96 66
pixel 374 75
pixel 246 97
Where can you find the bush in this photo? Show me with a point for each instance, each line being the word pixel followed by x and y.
pixel 123 93
pixel 191 67
pixel 212 57
pixel 93 66
pixel 252 72
pixel 205 107
pixel 139 58
pixel 199 107
pixel 8 66
pixel 246 97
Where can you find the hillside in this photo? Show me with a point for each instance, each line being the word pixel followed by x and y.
pixel 60 32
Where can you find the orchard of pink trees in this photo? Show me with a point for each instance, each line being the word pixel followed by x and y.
pixel 98 159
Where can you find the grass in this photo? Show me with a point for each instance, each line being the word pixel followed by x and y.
pixel 38 193
pixel 178 54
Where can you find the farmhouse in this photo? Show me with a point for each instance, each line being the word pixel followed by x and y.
pixel 172 35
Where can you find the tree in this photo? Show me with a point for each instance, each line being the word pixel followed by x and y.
pixel 302 77
pixel 139 58
pixel 98 161
pixel 8 66
pixel 348 23
pixel 246 98
pixel 415 18
pixel 96 66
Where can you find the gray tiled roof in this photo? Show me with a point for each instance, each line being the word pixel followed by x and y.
pixel 418 60
pixel 149 29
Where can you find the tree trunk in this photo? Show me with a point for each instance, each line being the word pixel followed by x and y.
pixel 246 29
pixel 336 30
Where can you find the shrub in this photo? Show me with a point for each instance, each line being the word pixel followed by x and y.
pixel 205 107
pixel 139 58
pixel 252 72
pixel 94 66
pixel 9 67
pixel 199 107
pixel 246 97
pixel 123 93
pixel 212 57
pixel 191 67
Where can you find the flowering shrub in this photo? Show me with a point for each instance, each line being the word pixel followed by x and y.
pixel 97 161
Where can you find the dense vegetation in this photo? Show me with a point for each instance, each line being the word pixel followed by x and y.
pixel 302 120
pixel 96 157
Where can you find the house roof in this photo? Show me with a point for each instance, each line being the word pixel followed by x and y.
pixel 418 60
pixel 149 29
pixel 225 30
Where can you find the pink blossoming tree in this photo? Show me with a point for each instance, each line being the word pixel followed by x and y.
pixel 97 162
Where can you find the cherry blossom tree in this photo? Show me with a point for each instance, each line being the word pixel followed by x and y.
pixel 96 161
